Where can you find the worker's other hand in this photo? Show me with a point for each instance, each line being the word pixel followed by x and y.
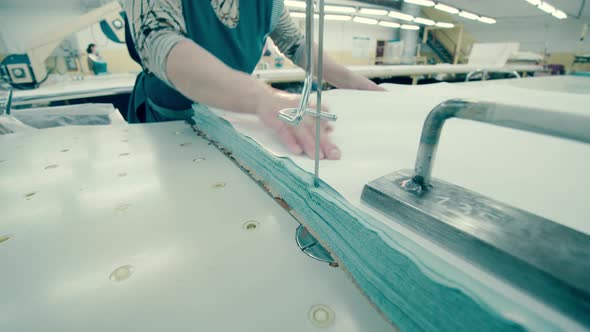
pixel 358 82
pixel 298 139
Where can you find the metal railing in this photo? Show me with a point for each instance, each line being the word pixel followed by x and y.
pixel 485 73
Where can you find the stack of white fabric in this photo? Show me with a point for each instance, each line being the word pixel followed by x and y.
pixel 378 133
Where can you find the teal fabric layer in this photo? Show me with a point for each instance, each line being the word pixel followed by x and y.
pixel 407 296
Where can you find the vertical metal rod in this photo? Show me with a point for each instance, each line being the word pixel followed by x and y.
pixel 318 120
pixel 309 12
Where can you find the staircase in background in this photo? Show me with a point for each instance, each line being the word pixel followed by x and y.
pixel 437 47
pixel 443 42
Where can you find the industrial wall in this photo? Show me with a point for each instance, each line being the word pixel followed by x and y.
pixel 534 34
pixel 348 42
pixel 558 39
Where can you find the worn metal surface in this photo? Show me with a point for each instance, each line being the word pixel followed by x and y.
pixel 549 260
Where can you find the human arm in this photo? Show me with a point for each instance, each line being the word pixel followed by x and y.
pixel 200 76
pixel 158 31
pixel 289 39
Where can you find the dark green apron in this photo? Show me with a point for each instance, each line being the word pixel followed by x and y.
pixel 239 47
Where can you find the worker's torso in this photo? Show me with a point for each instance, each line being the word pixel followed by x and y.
pixel 233 31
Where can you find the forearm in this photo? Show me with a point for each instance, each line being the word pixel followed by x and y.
pixel 334 73
pixel 203 78
pixel 338 75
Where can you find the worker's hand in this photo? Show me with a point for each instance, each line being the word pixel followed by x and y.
pixel 298 139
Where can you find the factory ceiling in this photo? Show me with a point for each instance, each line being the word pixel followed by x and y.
pixel 502 9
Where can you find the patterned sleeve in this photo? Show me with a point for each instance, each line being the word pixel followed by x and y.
pixel 156 26
pixel 288 38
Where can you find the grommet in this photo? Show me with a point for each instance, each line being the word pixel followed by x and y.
pixel 121 273
pixel 321 315
pixel 122 207
pixel 251 225
pixel 218 185
pixel 4 238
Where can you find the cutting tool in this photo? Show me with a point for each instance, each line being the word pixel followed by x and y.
pixel 294 116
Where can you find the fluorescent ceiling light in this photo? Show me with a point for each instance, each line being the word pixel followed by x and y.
pixel 534 2
pixel 297 15
pixel 295 4
pixel 559 14
pixel 426 3
pixel 371 11
pixel 547 8
pixel 444 25
pixel 337 17
pixel 364 20
pixel 339 9
pixel 410 27
pixel 401 16
pixel 424 21
pixel 487 20
pixel 468 15
pixel 389 24
pixel 446 8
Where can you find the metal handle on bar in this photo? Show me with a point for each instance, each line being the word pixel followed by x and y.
pixel 294 116
pixel 564 125
pixel 485 73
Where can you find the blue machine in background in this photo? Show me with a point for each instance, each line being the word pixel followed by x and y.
pixel 28 70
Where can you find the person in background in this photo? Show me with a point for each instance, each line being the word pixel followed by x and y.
pixel 204 52
pixel 96 64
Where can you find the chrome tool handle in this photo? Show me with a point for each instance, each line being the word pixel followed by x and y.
pixel 564 125
pixel 294 116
